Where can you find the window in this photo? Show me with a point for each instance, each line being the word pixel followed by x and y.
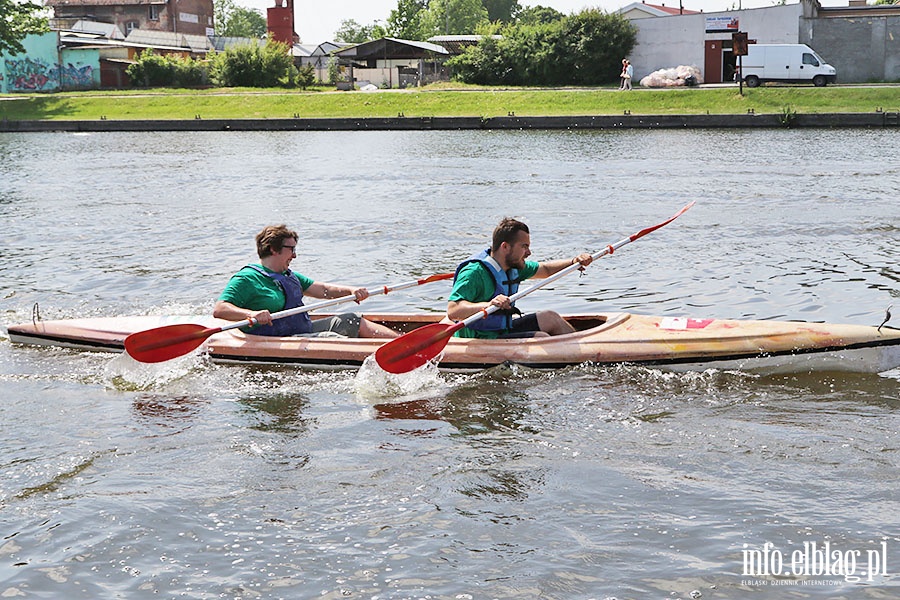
pixel 131 25
pixel 154 12
pixel 809 59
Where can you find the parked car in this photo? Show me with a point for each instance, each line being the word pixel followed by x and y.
pixel 793 63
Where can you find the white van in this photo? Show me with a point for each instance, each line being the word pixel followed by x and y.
pixel 796 63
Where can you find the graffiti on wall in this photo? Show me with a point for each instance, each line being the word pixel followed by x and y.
pixel 31 75
pixel 36 75
pixel 71 76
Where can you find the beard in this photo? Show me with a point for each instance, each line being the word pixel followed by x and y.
pixel 520 264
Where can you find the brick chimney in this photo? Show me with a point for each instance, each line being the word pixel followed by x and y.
pixel 280 22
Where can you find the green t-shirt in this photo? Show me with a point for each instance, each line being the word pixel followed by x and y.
pixel 476 284
pixel 250 289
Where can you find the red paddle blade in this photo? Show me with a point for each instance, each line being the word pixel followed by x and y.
pixel 647 230
pixel 165 343
pixel 438 277
pixel 414 349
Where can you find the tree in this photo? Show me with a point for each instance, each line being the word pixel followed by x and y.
pixel 237 21
pixel 592 44
pixel 504 11
pixel 353 33
pixel 454 17
pixel 245 22
pixel 405 21
pixel 483 64
pixel 18 19
pixel 582 49
pixel 535 15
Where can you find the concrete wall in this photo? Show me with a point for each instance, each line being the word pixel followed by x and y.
pixel 572 123
pixel 860 48
pixel 775 25
pixel 79 68
pixel 665 42
pixel 43 68
pixel 37 70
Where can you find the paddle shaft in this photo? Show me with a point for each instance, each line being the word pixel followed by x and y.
pixel 419 346
pixel 170 341
pixel 334 301
pixel 573 267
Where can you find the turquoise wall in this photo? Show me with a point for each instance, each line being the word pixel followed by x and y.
pixel 39 68
pixel 80 68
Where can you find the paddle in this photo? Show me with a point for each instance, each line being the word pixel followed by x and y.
pixel 414 349
pixel 171 341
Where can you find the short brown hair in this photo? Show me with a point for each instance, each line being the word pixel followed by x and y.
pixel 271 239
pixel 507 231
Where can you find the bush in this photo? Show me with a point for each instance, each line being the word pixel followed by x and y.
pixel 161 70
pixel 306 77
pixel 484 64
pixel 151 70
pixel 270 65
pixel 581 49
pixel 334 70
pixel 190 73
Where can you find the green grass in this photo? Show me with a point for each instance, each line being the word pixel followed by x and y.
pixel 440 101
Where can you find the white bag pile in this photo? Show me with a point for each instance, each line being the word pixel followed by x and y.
pixel 673 77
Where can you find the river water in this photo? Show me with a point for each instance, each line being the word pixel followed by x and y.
pixel 193 480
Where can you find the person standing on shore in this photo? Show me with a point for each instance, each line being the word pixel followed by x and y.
pixel 622 75
pixel 627 74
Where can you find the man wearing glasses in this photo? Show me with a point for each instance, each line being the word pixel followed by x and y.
pixel 258 290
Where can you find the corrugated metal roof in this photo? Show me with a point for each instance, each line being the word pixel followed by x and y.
pixel 302 50
pixel 221 43
pixel 87 3
pixel 147 37
pixel 389 47
pixel 455 44
pixel 326 48
pixel 656 10
pixel 107 30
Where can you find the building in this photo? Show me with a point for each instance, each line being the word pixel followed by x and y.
pixel 48 66
pixel 703 40
pixel 391 62
pixel 191 17
pixel 318 56
pixel 862 42
pixel 642 10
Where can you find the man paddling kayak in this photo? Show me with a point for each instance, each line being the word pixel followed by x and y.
pixel 258 290
pixel 493 275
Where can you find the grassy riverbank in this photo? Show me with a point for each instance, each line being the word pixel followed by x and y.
pixel 427 102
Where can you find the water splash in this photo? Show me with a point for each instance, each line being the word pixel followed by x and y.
pixel 373 383
pixel 125 374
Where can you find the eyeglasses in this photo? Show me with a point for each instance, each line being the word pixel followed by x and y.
pixel 293 249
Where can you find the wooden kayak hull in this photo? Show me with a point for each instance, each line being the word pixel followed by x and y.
pixel 676 344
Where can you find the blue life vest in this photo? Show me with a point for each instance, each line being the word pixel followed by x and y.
pixel 505 282
pixel 293 297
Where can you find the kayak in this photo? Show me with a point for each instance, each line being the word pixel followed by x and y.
pixel 669 343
